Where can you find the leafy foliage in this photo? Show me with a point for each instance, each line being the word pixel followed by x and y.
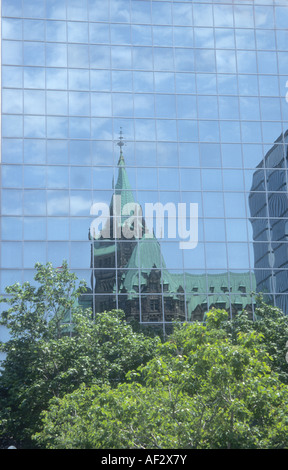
pixel 203 389
pixel 272 326
pixel 44 359
pixel 71 380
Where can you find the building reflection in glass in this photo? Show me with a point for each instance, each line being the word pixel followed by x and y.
pixel 132 274
pixel 269 210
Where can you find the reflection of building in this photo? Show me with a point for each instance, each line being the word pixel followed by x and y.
pixel 132 275
pixel 131 268
pixel 269 210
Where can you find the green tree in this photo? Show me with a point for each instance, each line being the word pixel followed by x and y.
pixel 203 389
pixel 55 346
pixel 272 324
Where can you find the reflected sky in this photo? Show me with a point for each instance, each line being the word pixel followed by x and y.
pixel 199 89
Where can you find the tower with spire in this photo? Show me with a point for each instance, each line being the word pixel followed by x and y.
pixel 133 270
pixel 110 256
pixel 131 274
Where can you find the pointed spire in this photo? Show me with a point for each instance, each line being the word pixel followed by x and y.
pixel 122 185
pixel 121 144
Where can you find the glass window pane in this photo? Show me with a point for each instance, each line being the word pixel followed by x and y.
pixel 56 79
pixel 99 57
pixel 11 176
pixel 12 28
pixel 34 102
pixel 12 101
pixel 98 10
pixel 11 228
pixel 210 155
pixel 162 36
pixel 235 204
pixel 77 10
pixel 12 126
pixel 184 60
pixel 12 151
pixel 57 202
pixel 12 53
pixel 57 252
pixel 57 102
pixel 144 105
pixel 34 30
pixel 34 126
pixel 213 204
pixel 12 8
pixel 57 177
pixel 245 38
pixel 34 252
pixel 141 35
pixel 79 103
pixel 11 202
pixel 34 53
pixel 265 39
pixel 163 58
pixel 183 37
pixel 34 8
pixel 214 230
pixel 56 55
pixel 34 176
pixel 267 62
pixel 243 16
pixel 79 128
pixel 57 127
pixel 78 55
pixel 80 178
pixel 34 77
pixel 165 106
pixel 12 77
pixel 35 151
pixel 34 228
pixel 119 11
pixel 120 34
pixel 77 32
pixel 11 255
pixel 140 12
pixel 80 203
pixel 100 80
pixel 57 152
pixel 56 31
pixel 161 13
pixel 203 15
pixel 34 202
pixel 182 14
pixel 80 255
pixel 164 82
pixel 55 9
pixel 121 57
pixel 223 15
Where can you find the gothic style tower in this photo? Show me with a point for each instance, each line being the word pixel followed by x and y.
pixel 132 269
pixel 110 255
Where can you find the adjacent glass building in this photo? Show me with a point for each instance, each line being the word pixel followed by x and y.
pixel 197 92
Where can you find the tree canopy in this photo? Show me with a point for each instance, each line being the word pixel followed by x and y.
pixel 55 346
pixel 72 379
pixel 201 390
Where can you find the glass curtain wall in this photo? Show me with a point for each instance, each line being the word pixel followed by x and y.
pixel 180 103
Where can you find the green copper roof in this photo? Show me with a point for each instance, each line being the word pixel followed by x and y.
pixel 101 248
pixel 145 257
pixel 200 289
pixel 123 187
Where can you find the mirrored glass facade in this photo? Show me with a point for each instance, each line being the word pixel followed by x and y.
pixel 130 105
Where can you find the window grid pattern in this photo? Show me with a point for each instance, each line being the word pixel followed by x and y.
pixel 199 89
